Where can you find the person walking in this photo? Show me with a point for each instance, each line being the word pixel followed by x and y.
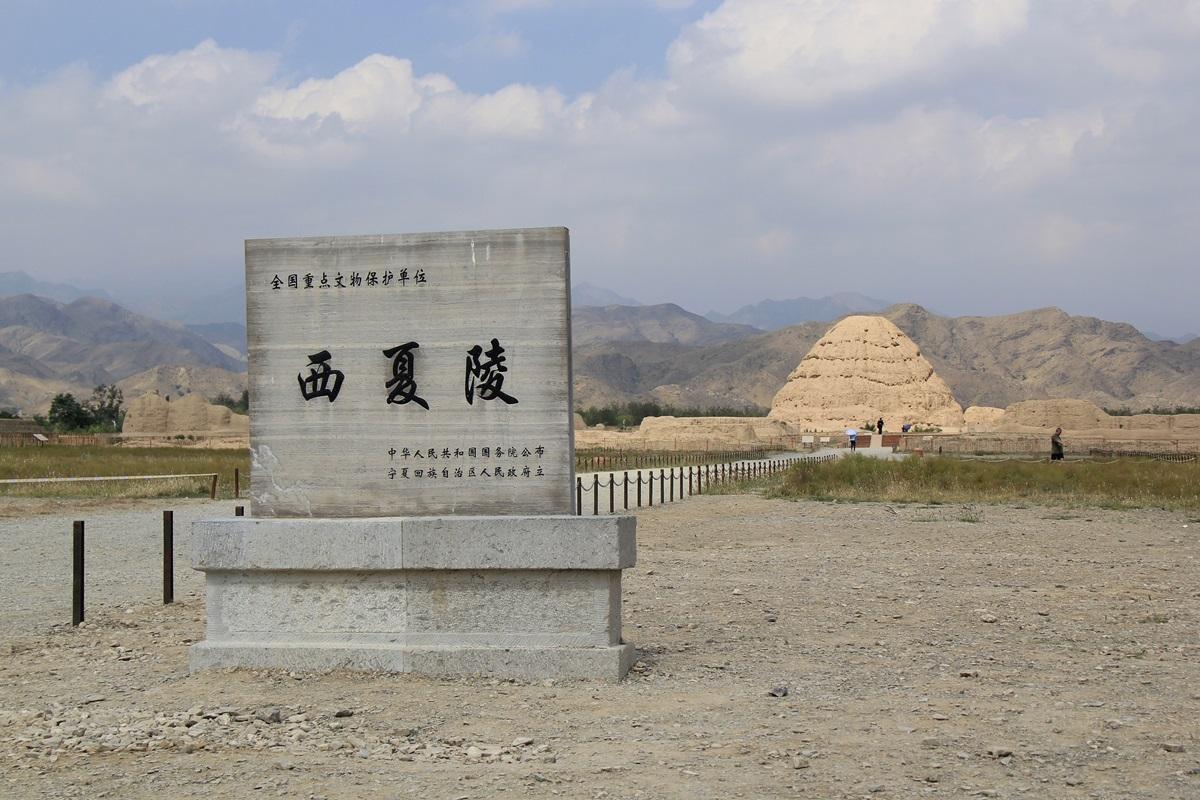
pixel 853 434
pixel 879 426
pixel 1056 445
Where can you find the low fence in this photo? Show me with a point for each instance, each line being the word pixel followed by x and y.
pixel 690 480
pixel 213 477
pixel 600 459
pixel 79 562
pixel 25 439
pixel 1157 455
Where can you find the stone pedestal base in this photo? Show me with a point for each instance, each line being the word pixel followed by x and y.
pixel 519 597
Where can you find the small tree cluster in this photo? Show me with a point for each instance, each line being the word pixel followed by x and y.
pixel 627 415
pixel 241 405
pixel 100 413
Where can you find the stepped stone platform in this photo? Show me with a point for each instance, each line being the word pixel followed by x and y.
pixel 528 597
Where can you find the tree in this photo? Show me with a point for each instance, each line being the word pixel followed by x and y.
pixel 67 414
pixel 104 407
pixel 239 406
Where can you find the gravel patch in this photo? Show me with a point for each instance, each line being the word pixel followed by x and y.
pixel 785 649
pixel 123 557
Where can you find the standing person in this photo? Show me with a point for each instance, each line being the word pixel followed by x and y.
pixel 879 426
pixel 1056 445
pixel 853 434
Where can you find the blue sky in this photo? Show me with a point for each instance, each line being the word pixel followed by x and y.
pixel 573 46
pixel 973 156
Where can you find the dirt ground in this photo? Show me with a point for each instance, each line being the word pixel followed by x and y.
pixel 925 651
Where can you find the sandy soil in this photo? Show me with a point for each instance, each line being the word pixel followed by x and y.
pixel 926 652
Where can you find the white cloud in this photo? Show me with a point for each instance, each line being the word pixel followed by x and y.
pixel 809 51
pixel 378 88
pixel 195 79
pixel 45 179
pixel 955 147
pixel 382 95
pixel 948 151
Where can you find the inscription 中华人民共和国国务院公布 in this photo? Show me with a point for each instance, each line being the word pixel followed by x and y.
pixel 502 462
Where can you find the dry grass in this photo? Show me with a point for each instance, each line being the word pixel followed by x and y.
pixel 60 461
pixel 1126 483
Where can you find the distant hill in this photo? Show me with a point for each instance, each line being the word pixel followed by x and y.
pixel 18 282
pixel 47 346
pixel 622 353
pixel 223 304
pixel 986 360
pixel 178 381
pixel 1184 339
pixel 770 315
pixel 666 323
pixel 585 294
pixel 230 335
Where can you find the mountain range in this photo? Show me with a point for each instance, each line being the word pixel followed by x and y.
pixel 585 294
pixel 771 315
pixel 994 361
pixel 622 353
pixel 48 346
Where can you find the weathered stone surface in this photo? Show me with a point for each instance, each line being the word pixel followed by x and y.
pixel 864 368
pixel 525 597
pixel 333 458
pixel 394 543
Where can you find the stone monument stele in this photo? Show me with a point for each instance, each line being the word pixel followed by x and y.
pixel 412 481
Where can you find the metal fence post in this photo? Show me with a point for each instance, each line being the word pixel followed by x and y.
pixel 662 486
pixel 691 490
pixel 77 573
pixel 651 483
pixel 673 483
pixel 168 557
pixel 212 492
pixel 611 480
pixel 578 496
pixel 596 495
pixel 639 491
pixel 237 483
pixel 625 488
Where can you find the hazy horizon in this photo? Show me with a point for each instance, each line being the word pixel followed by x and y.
pixel 976 157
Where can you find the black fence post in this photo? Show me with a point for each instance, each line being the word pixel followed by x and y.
pixel 662 486
pixel 625 488
pixel 673 483
pixel 168 554
pixel 596 495
pixel 237 483
pixel 651 483
pixel 691 490
pixel 578 496
pixel 77 573
pixel 639 491
pixel 239 511
pixel 611 480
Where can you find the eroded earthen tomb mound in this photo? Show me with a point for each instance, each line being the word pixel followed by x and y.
pixel 192 414
pixel 864 368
